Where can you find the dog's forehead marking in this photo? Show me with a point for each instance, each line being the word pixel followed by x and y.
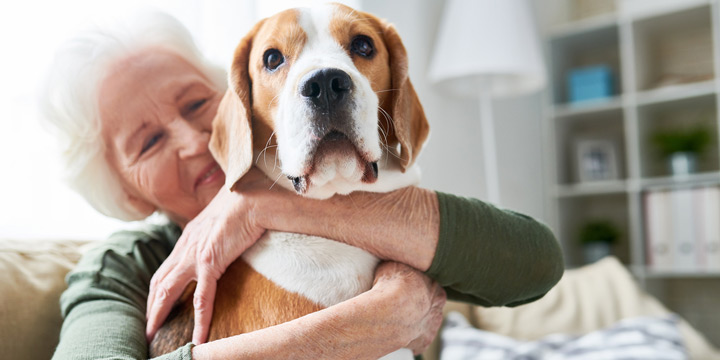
pixel 315 22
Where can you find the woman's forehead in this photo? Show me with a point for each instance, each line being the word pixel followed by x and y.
pixel 139 86
pixel 152 69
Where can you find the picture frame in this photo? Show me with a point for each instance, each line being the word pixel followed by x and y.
pixel 596 160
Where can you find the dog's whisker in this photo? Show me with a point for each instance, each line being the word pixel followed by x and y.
pixel 382 132
pixel 388 90
pixel 275 161
pixel 389 118
pixel 267 146
pixel 275 182
pixel 272 101
pixel 386 117
pixel 263 152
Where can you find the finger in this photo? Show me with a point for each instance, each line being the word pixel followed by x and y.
pixel 203 301
pixel 167 292
pixel 431 326
pixel 440 296
pixel 167 267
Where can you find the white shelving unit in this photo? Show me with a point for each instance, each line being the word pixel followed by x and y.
pixel 639 41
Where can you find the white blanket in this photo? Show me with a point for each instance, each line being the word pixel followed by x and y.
pixel 643 338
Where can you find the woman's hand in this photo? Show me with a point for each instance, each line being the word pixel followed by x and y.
pixel 208 245
pixel 403 309
pixel 418 302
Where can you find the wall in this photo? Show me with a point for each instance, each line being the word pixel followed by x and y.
pixel 452 160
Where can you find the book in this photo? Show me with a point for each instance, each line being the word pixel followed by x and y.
pixel 684 231
pixel 709 240
pixel 658 231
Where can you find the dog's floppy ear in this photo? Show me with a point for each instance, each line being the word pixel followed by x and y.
pixel 411 127
pixel 231 142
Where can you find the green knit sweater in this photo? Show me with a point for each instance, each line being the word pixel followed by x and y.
pixel 485 256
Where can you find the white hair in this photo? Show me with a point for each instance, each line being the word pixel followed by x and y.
pixel 69 99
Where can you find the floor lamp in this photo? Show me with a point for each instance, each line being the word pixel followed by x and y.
pixel 487 49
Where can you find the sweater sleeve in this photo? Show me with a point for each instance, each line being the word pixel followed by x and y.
pixel 104 305
pixel 492 257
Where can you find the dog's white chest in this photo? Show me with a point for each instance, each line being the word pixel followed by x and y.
pixel 324 271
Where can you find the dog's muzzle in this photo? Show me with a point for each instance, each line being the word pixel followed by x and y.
pixel 328 93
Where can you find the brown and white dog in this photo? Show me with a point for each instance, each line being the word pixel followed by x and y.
pixel 320 96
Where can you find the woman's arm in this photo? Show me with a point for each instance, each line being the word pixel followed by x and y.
pixel 403 309
pixel 104 305
pixel 479 253
pixel 104 312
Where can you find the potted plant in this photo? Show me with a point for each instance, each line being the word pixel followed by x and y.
pixel 597 237
pixel 682 147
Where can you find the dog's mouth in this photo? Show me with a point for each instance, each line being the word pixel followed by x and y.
pixel 338 146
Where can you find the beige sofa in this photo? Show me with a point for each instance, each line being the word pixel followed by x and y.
pixel 587 299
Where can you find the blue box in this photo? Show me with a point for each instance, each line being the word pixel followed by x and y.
pixel 590 83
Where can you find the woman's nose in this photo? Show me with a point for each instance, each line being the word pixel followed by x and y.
pixel 191 140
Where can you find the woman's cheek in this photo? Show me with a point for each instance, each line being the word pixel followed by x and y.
pixel 156 180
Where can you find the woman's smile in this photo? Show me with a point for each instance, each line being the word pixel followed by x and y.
pixel 210 174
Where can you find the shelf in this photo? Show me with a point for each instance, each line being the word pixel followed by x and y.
pixel 584 26
pixel 667 9
pixel 579 50
pixel 679 182
pixel 669 116
pixel 663 56
pixel 650 273
pixel 591 188
pixel 568 110
pixel 577 211
pixel 676 92
pixel 674 47
pixel 576 131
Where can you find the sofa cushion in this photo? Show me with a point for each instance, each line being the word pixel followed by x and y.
pixel 32 280
pixel 586 299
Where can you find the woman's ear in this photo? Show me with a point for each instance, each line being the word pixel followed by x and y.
pixel 411 127
pixel 231 142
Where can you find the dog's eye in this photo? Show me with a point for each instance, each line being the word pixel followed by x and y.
pixel 272 59
pixel 363 46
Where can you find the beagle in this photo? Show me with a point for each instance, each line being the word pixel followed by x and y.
pixel 319 96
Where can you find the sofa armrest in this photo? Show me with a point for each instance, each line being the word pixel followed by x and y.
pixel 32 277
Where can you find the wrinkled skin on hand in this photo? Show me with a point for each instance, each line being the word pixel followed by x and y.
pixel 209 244
pixel 418 301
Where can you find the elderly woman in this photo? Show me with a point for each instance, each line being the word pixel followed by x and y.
pixel 133 105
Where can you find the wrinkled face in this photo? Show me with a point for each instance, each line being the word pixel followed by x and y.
pixel 156 111
pixel 319 78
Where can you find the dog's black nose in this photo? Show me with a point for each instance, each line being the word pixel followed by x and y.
pixel 326 88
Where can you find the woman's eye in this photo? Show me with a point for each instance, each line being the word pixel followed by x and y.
pixel 151 142
pixel 197 105
pixel 363 46
pixel 272 59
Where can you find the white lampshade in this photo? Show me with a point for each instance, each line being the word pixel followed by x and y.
pixel 488 46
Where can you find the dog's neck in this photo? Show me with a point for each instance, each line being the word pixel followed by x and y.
pixel 390 177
